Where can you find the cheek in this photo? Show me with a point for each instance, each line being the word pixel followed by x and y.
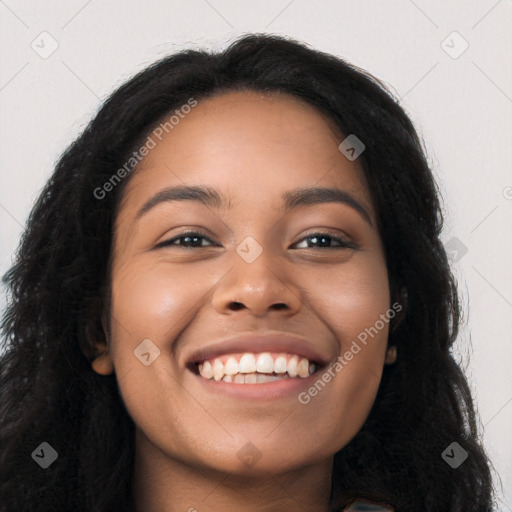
pixel 354 304
pixel 149 298
pixel 152 301
pixel 353 298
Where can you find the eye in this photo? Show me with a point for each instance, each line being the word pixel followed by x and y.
pixel 191 240
pixel 322 239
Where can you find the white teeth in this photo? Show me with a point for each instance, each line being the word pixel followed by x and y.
pixel 256 368
pixel 266 378
pixel 206 370
pixel 291 367
pixel 247 364
pixel 265 363
pixel 251 378
pixel 218 369
pixel 280 364
pixel 303 368
pixel 231 367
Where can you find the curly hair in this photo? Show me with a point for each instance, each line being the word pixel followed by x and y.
pixel 59 286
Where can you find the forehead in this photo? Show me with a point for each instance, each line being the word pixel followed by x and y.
pixel 249 145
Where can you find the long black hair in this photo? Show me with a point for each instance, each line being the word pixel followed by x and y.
pixel 59 286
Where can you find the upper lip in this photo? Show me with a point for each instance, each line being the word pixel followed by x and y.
pixel 256 343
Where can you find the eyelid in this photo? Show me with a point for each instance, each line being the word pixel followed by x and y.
pixel 346 241
pixel 202 234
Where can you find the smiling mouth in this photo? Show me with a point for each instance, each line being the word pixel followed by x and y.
pixel 255 368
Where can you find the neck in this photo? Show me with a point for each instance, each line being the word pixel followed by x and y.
pixel 162 484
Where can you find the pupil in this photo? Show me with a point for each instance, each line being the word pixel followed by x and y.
pixel 193 238
pixel 321 239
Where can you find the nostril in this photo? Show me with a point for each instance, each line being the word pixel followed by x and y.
pixel 236 305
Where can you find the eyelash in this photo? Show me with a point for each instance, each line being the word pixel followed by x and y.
pixel 344 244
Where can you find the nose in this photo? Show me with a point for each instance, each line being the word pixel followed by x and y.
pixel 261 287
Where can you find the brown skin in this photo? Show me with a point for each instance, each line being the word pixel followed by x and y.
pixel 252 148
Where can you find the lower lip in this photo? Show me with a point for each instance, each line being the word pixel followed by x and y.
pixel 263 391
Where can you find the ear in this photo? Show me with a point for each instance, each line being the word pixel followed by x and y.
pixel 391 355
pixel 96 339
pixel 102 362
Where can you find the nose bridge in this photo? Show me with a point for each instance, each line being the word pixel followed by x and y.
pixel 257 281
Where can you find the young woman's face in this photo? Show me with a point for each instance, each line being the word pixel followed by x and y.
pixel 272 262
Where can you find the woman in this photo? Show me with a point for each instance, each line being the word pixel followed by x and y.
pixel 232 295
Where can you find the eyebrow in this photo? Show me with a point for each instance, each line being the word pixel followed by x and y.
pixel 292 199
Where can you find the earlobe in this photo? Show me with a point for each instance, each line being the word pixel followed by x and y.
pixel 391 355
pixel 102 364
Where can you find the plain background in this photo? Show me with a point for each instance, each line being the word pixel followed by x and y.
pixel 459 98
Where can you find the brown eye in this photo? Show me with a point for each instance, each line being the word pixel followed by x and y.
pixel 324 241
pixel 191 240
